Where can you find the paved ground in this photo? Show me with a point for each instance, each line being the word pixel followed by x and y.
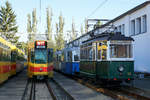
pixel 78 91
pixel 143 83
pixel 13 89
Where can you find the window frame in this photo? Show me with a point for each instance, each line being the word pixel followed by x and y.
pixel 144 23
pixel 138 25
pixel 119 59
pixel 101 51
pixel 133 27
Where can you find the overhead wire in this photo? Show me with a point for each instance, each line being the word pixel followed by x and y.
pixel 95 10
pixel 99 6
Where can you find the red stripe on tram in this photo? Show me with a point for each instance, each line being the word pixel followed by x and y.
pixel 5 69
pixel 41 69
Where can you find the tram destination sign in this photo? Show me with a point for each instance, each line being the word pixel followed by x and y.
pixel 40 44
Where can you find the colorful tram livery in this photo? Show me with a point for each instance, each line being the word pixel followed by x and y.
pixel 40 58
pixel 107 57
pixel 67 60
pixel 71 59
pixel 11 60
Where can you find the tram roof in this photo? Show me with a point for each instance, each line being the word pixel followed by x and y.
pixel 5 42
pixel 10 45
pixel 109 36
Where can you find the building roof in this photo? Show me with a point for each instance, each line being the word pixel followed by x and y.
pixel 126 13
pixel 109 36
pixel 115 19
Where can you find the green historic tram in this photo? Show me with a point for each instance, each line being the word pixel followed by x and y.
pixel 107 58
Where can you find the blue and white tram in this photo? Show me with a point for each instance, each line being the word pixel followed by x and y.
pixel 71 61
pixel 58 60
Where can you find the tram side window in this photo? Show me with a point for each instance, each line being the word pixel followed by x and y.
pixel 57 58
pixel 69 56
pixel 104 54
pixel 7 55
pixel 62 57
pixel 93 54
pixel 76 58
pixel 120 51
pixel 1 54
pixel 90 52
pixel 32 56
pixel 13 56
pixel 102 51
pixel 99 54
pixel 50 55
pixel 81 53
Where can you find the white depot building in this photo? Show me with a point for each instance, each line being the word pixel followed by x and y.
pixel 134 23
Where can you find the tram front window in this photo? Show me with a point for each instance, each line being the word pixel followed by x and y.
pixel 40 56
pixel 120 51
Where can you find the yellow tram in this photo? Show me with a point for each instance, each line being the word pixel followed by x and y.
pixel 40 59
pixel 11 60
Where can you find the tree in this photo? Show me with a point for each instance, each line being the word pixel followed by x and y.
pixel 49 24
pixel 32 25
pixel 81 30
pixel 98 24
pixel 49 27
pixel 74 34
pixel 59 38
pixel 34 21
pixel 23 46
pixel 8 27
pixel 29 26
pixel 86 25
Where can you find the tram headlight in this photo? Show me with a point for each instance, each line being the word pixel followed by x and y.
pixel 121 68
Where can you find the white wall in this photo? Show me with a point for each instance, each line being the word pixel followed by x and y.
pixel 142 41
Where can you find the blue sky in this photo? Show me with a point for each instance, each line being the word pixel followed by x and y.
pixel 77 9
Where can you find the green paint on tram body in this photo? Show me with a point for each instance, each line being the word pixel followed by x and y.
pixel 107 69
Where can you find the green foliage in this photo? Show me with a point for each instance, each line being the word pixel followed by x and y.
pixel 8 27
pixel 81 30
pixel 49 23
pixel 32 25
pixel 98 24
pixel 59 38
pixel 29 27
pixel 49 27
pixel 23 46
pixel 86 25
pixel 74 34
pixel 34 21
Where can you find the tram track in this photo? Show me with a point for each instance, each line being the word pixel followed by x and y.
pixel 57 92
pixel 32 90
pixel 116 93
pixel 47 89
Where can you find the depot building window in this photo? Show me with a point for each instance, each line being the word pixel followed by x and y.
pixel 138 25
pixel 144 23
